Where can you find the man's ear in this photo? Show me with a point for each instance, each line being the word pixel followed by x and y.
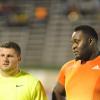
pixel 19 58
pixel 91 41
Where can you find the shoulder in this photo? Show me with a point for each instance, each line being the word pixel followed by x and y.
pixel 97 60
pixel 67 67
pixel 68 64
pixel 29 77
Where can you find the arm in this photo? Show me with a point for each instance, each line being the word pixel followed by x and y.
pixel 58 92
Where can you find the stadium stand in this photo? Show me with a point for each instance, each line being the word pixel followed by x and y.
pixel 47 44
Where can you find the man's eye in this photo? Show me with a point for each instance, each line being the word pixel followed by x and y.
pixel 10 55
pixel 2 55
pixel 77 41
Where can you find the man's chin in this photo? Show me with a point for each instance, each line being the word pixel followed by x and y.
pixel 81 58
pixel 77 58
pixel 5 68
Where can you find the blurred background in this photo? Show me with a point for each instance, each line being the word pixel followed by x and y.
pixel 43 29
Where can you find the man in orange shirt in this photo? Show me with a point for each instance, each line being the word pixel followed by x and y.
pixel 79 79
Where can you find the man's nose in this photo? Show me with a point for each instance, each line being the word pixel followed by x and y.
pixel 5 58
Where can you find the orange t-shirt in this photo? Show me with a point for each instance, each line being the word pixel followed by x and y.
pixel 81 81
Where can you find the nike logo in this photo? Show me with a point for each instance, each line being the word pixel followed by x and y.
pixel 19 85
pixel 97 67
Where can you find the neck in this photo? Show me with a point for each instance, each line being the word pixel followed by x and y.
pixel 9 73
pixel 95 54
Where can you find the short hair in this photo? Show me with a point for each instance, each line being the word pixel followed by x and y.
pixel 12 45
pixel 86 29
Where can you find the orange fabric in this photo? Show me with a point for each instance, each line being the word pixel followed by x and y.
pixel 81 81
pixel 65 69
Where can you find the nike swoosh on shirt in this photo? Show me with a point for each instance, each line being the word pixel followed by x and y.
pixel 19 85
pixel 97 67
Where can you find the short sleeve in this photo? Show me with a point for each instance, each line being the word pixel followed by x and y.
pixel 40 92
pixel 61 76
pixel 63 72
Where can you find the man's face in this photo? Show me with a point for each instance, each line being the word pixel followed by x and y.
pixel 9 59
pixel 80 46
